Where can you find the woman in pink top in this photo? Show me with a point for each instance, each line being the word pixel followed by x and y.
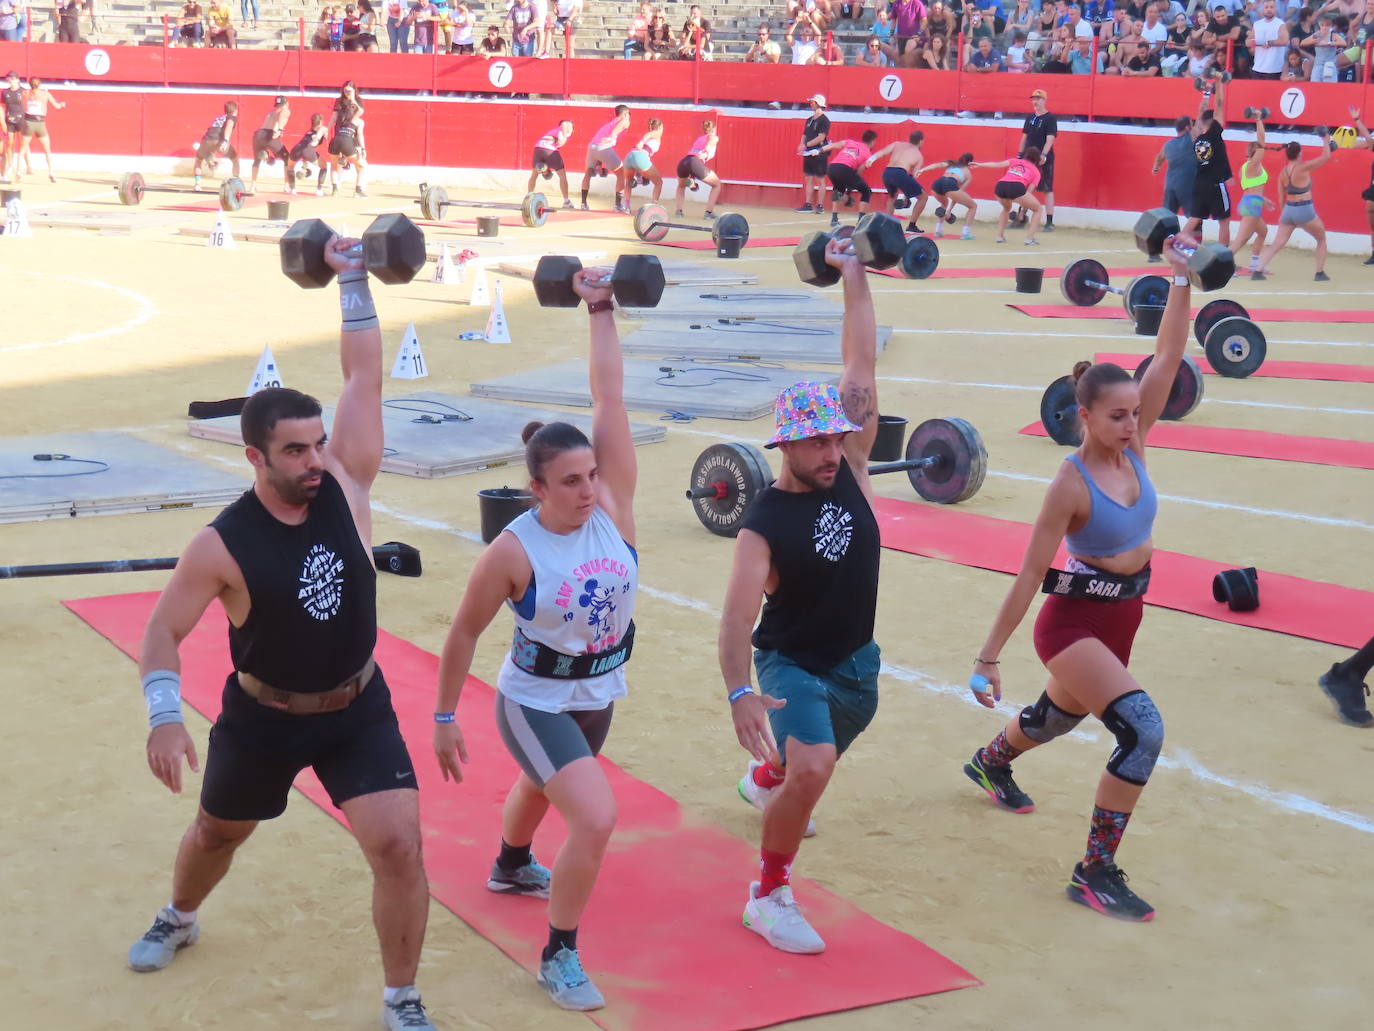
pixel 846 157
pixel 639 163
pixel 547 160
pixel 693 168
pixel 1023 175
pixel 602 157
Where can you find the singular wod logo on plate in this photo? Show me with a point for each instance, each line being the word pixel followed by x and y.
pixel 833 531
pixel 321 583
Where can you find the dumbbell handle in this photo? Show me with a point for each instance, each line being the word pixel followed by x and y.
pixel 1104 286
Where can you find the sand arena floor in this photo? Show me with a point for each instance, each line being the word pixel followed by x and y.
pixel 1248 841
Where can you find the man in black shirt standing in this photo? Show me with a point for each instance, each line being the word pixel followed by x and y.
pixel 14 127
pixel 809 545
pixel 815 134
pixel 1210 196
pixel 1041 130
pixel 290 562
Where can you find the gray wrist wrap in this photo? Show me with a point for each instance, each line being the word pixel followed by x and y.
pixel 162 693
pixel 355 301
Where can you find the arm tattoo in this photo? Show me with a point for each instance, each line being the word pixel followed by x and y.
pixel 858 405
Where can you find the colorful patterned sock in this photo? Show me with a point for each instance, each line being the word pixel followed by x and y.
pixel 1105 836
pixel 767 776
pixel 777 869
pixel 999 752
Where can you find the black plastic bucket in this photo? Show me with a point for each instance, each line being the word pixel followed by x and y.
pixel 8 195
pixel 278 210
pixel 498 506
pixel 888 444
pixel 1147 318
pixel 1029 280
pixel 488 225
pixel 729 246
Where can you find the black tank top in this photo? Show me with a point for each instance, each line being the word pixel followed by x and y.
pixel 215 134
pixel 825 549
pixel 312 590
pixel 14 103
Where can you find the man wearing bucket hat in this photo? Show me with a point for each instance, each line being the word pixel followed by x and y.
pixel 815 134
pixel 809 544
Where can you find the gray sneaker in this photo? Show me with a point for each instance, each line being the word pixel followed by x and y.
pixel 159 946
pixel 406 1013
pixel 530 879
pixel 567 983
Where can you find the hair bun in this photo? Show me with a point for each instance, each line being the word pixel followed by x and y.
pixel 1078 369
pixel 531 428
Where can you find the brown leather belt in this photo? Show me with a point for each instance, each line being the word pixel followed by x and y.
pixel 309 703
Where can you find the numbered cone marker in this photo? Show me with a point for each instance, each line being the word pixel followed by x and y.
pixel 220 234
pixel 410 360
pixel 265 375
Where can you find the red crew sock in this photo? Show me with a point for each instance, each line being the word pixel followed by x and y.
pixel 767 776
pixel 777 869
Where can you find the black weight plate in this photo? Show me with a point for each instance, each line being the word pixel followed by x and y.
pixel 963 460
pixel 1236 347
pixel 1213 312
pixel 1145 290
pixel 433 200
pixel 744 470
pixel 1059 413
pixel 921 258
pixel 534 209
pixel 131 188
pixel 1074 280
pixel 730 224
pixel 651 223
pixel 1185 394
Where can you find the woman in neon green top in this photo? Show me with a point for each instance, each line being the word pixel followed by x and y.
pixel 1253 178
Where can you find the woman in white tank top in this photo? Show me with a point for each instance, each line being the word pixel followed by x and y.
pixel 568 571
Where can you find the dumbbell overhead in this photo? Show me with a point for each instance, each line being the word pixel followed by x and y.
pixel 1085 282
pixel 879 242
pixel 945 462
pixel 637 281
pixel 534 208
pixel 392 248
pixel 1210 265
pixel 652 225
pixel 1253 114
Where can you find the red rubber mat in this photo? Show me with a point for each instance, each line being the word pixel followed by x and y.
pixel 1288 604
pixel 1281 447
pixel 662 936
pixel 754 241
pixel 1269 370
pixel 1000 273
pixel 1260 315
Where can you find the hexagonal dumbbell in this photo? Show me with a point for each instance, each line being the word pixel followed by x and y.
pixel 392 248
pixel 1210 265
pixel 637 281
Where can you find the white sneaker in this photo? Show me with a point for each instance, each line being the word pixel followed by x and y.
pixel 779 920
pixel 164 939
pixel 758 797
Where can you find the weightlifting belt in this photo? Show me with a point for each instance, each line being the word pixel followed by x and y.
pixel 540 660
pixel 309 703
pixel 1097 585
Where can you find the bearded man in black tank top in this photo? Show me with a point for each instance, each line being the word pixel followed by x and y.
pixel 291 563
pixel 810 546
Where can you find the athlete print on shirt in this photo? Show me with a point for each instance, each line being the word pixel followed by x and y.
pixel 833 532
pixel 321 582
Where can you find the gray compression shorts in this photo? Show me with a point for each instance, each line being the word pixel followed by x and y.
pixel 544 742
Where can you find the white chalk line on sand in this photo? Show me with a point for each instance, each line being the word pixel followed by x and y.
pixel 146 310
pixel 1180 760
pixel 1109 337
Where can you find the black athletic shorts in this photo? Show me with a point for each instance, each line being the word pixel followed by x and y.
pixel 305 152
pixel 209 149
pixel 898 181
pixel 256 753
pixel 814 165
pixel 692 167
pixel 1210 200
pixel 550 159
pixel 344 146
pixel 1046 183
pixel 1008 190
pixel 844 179
pixel 1369 193
pixel 945 184
pixel 264 145
pixel 14 123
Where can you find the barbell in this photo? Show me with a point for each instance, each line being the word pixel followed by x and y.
pixel 1085 281
pixel 652 225
pixel 392 557
pixel 945 462
pixel 534 208
pixel 131 188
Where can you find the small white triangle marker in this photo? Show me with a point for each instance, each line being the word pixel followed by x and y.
pixel 480 296
pixel 447 271
pixel 410 360
pixel 497 330
pixel 265 375
pixel 221 235
pixel 16 219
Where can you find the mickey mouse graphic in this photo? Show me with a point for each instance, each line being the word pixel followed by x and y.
pixel 599 603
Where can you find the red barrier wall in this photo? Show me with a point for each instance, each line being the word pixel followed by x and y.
pixel 1097 168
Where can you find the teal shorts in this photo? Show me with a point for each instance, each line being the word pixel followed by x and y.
pixel 831 708
pixel 639 161
pixel 1251 205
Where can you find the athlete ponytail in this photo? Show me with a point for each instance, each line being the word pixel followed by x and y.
pixel 546 441
pixel 1090 380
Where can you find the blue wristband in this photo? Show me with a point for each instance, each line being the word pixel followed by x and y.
pixel 738 693
pixel 443 717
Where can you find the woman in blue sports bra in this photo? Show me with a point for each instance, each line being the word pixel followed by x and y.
pixel 1101 506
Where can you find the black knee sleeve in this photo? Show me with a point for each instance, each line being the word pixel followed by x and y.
pixel 1139 732
pixel 1045 721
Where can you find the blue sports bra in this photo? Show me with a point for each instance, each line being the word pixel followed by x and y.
pixel 1113 528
